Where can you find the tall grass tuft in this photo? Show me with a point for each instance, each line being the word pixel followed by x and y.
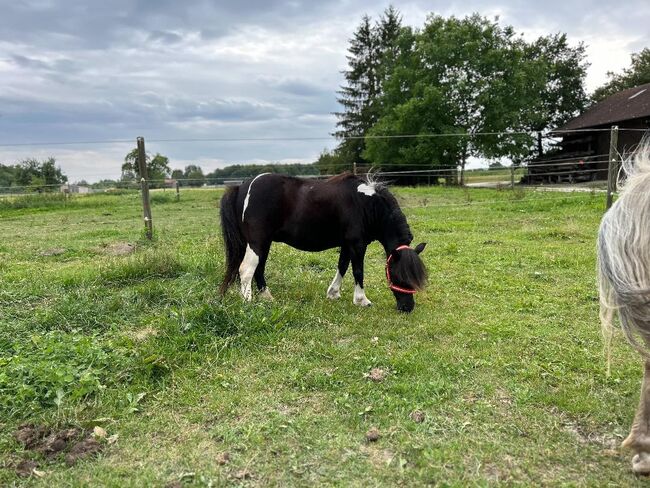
pixel 143 265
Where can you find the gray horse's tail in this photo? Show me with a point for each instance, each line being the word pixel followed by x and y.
pixel 624 256
pixel 233 238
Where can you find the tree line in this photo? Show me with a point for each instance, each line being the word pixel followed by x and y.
pixel 160 174
pixel 472 77
pixel 31 175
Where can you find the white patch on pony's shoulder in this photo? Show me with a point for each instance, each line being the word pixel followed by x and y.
pixel 367 189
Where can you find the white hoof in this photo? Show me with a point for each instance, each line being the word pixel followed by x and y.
pixel 360 297
pixel 334 290
pixel 266 294
pixel 333 294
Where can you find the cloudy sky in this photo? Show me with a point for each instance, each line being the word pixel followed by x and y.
pixel 73 70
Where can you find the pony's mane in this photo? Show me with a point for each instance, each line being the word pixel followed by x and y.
pixel 346 175
pixel 384 209
pixel 393 214
pixel 624 255
pixel 370 179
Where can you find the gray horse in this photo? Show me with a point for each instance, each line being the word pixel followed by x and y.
pixel 624 280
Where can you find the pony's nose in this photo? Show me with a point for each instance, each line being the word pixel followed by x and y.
pixel 405 307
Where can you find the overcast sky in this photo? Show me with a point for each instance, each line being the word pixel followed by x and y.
pixel 74 70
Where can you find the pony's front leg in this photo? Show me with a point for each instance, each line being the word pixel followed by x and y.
pixel 247 271
pixel 639 438
pixel 334 290
pixel 357 254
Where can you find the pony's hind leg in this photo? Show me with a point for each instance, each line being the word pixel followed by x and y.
pixel 246 271
pixel 334 290
pixel 639 438
pixel 260 280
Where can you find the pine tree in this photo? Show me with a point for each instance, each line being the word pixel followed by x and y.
pixel 360 96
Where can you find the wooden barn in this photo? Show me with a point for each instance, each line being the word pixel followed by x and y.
pixel 583 155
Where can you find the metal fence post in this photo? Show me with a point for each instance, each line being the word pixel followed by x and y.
pixel 144 184
pixel 612 170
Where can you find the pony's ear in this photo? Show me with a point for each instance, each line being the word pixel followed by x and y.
pixel 420 247
pixel 394 255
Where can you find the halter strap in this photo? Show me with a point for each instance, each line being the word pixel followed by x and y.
pixel 408 291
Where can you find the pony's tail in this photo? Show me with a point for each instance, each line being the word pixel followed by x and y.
pixel 233 238
pixel 624 257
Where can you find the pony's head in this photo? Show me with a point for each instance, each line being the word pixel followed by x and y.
pixel 406 275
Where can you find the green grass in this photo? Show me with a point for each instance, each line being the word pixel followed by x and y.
pixel 502 353
pixel 493 175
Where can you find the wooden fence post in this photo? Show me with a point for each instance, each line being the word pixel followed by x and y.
pixel 144 184
pixel 512 176
pixel 178 192
pixel 612 170
pixel 354 168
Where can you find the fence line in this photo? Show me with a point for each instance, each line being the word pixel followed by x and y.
pixel 470 203
pixel 441 171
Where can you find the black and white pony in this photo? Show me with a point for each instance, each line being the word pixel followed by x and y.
pixel 313 215
pixel 624 282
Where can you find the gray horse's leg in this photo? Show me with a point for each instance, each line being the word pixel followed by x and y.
pixel 639 438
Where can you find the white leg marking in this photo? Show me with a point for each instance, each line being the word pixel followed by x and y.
pixel 266 294
pixel 248 195
pixel 334 291
pixel 246 272
pixel 360 297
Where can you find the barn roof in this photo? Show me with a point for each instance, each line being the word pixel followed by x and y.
pixel 624 105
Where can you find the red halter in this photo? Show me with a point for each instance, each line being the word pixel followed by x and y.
pixel 390 283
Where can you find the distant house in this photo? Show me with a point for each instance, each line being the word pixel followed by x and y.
pixel 74 189
pixel 583 155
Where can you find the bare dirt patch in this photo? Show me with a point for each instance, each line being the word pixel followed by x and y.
pixel 223 458
pixel 373 435
pixel 144 333
pixel 117 249
pixel 26 468
pixel 243 474
pixel 417 416
pixel 30 435
pixel 376 374
pixel 73 443
pixel 378 457
pixel 56 251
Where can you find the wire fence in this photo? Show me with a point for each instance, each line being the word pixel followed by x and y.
pixel 551 169
pixel 431 169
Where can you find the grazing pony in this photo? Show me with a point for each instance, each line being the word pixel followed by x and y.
pixel 624 282
pixel 313 215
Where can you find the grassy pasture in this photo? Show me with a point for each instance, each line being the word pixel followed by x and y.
pixel 493 175
pixel 502 357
